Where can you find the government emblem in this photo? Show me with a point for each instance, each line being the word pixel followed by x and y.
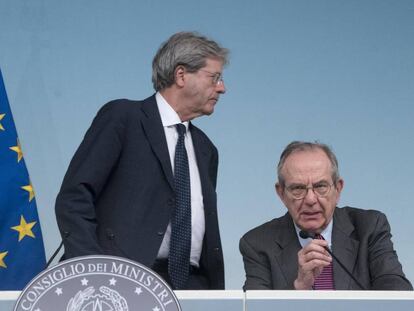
pixel 97 283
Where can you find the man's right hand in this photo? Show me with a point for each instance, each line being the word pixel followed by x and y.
pixel 311 260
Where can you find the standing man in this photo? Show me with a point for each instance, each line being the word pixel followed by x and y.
pixel 280 255
pixel 142 184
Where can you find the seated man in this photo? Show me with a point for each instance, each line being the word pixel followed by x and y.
pixel 290 252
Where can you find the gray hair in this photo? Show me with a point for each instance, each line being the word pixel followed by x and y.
pixel 297 146
pixel 187 49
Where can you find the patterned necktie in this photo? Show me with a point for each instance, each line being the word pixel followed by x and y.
pixel 180 244
pixel 325 280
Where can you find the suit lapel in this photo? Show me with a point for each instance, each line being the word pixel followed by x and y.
pixel 344 247
pixel 289 247
pixel 154 130
pixel 203 154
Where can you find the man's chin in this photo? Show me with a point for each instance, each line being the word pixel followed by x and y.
pixel 312 226
pixel 208 111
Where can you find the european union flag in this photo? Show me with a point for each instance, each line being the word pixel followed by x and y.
pixel 22 254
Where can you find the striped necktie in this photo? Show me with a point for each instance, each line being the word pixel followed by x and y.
pixel 325 280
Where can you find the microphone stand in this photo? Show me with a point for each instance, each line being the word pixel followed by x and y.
pixel 65 236
pixel 305 235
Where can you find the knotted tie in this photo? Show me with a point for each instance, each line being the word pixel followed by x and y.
pixel 325 280
pixel 180 244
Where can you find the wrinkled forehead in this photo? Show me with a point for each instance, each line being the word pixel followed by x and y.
pixel 307 166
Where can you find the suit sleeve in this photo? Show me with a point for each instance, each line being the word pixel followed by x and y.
pixel 85 179
pixel 256 266
pixel 385 269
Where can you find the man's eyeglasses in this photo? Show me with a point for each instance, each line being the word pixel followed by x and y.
pixel 320 189
pixel 216 76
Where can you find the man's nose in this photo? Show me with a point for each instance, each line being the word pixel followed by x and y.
pixel 310 197
pixel 220 87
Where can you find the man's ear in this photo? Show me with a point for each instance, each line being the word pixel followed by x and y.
pixel 339 185
pixel 279 190
pixel 179 76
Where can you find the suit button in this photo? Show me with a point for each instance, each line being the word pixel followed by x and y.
pixel 171 202
pixel 216 249
pixel 160 232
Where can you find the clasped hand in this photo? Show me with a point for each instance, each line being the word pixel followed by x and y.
pixel 311 261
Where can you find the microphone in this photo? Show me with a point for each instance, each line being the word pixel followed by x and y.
pixel 66 234
pixel 305 235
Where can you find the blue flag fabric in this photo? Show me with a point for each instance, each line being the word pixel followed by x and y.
pixel 22 254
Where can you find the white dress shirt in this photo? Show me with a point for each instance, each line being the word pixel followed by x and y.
pixel 169 119
pixel 327 235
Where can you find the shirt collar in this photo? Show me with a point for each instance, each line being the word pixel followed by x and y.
pixel 327 234
pixel 168 115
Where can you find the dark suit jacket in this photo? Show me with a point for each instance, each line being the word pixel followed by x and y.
pixel 117 195
pixel 361 239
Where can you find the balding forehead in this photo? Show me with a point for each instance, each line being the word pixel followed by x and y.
pixel 301 164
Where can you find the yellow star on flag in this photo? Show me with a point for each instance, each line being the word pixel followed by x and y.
pixel 18 150
pixel 29 189
pixel 2 255
pixel 1 118
pixel 24 228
